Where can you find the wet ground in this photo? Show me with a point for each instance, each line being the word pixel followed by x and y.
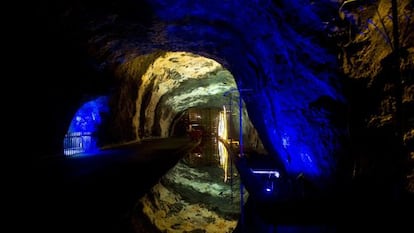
pixel 97 192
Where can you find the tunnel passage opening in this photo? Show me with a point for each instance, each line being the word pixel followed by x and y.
pixel 176 82
pixel 204 183
pixel 81 136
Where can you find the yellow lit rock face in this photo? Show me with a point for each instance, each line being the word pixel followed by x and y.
pixel 375 33
pixel 178 81
pixel 186 65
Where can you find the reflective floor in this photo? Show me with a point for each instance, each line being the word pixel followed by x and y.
pixel 202 192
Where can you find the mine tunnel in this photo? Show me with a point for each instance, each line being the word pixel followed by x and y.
pixel 221 116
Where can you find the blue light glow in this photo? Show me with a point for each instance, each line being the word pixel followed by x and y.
pixel 80 137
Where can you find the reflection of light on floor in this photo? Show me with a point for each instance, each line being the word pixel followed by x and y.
pixel 224 159
pixel 269 186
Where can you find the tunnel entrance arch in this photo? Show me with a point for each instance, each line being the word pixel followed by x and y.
pixel 81 136
pixel 169 85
